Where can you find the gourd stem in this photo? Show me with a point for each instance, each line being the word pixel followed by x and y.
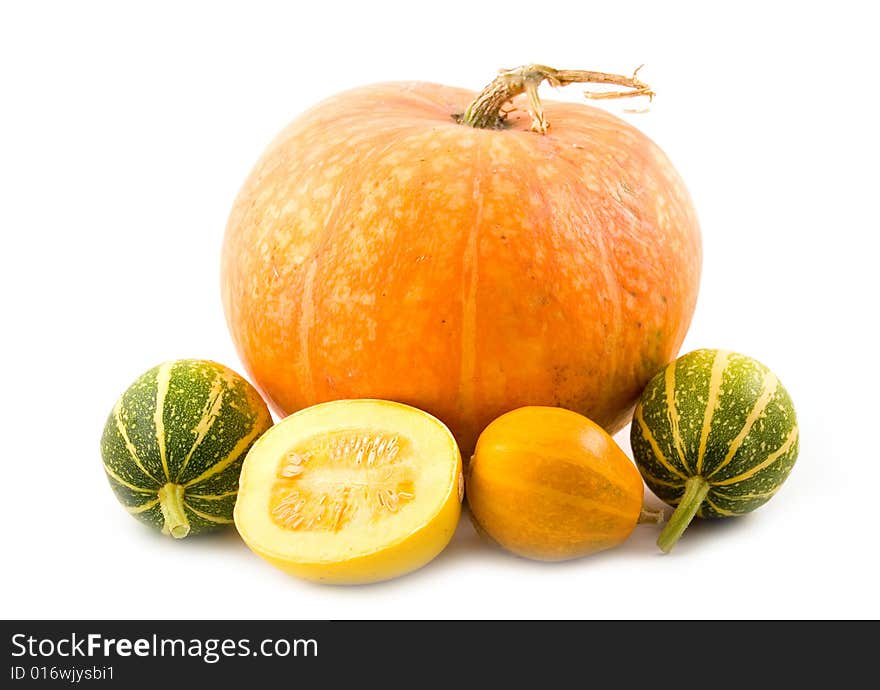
pixel 486 110
pixel 695 490
pixel 171 502
pixel 650 516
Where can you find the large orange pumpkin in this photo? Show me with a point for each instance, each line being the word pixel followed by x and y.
pixel 383 247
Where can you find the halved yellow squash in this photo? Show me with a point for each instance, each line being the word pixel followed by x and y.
pixel 351 491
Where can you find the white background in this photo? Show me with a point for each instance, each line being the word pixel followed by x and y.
pixel 126 130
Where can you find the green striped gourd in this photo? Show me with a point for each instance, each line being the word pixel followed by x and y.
pixel 175 441
pixel 715 434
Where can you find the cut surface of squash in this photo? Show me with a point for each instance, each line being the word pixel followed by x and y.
pixel 351 491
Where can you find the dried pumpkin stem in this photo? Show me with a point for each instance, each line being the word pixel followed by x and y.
pixel 486 111
pixel 650 516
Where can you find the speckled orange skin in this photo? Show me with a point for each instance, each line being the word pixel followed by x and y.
pixel 550 485
pixel 380 249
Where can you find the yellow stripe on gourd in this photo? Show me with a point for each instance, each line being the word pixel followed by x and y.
pixel 718 509
pixel 163 380
pixel 221 466
pixel 719 364
pixel 651 479
pixel 770 384
pixel 210 412
pixel 134 510
pixel 746 497
pixel 672 414
pixel 655 448
pixel 210 518
pixel 773 457
pixel 119 480
pixel 132 451
pixel 213 497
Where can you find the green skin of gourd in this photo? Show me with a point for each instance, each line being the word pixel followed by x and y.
pixel 174 444
pixel 715 434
